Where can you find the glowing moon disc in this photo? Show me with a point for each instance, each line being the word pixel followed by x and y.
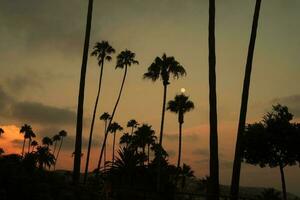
pixel 182 90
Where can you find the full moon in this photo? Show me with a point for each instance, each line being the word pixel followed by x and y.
pixel 182 90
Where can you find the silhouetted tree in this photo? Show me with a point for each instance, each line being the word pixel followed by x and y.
pixel 213 189
pixel 273 142
pixel 28 134
pixel 126 139
pixel 47 141
pixel 133 124
pixel 1 151
pixel 244 104
pixel 124 60
pixel 44 157
pixel 55 139
pixel 184 173
pixel 113 128
pixel 103 51
pixel 78 139
pixel 180 105
pixel 163 68
pixel 104 117
pixel 62 135
pixel 33 145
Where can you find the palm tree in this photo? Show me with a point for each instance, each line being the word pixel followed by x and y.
pixel 126 139
pixel 55 138
pixel 213 189
pixel 104 117
pixel 47 141
pixel 28 134
pixel 180 105
pixel 124 60
pixel 78 139
pixel 185 172
pixel 235 181
pixel 133 124
pixel 44 157
pixel 1 132
pixel 163 68
pixel 102 50
pixel 1 151
pixel 113 128
pixel 62 135
pixel 33 144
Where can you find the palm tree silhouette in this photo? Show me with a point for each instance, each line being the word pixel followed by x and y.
pixel 28 134
pixel 124 60
pixel 47 141
pixel 1 151
pixel 78 139
pixel 180 105
pixel 62 135
pixel 143 136
pixel 55 139
pixel 163 68
pixel 102 50
pixel 104 117
pixel 133 124
pixel 126 139
pixel 235 181
pixel 113 128
pixel 213 189
pixel 1 132
pixel 185 172
pixel 44 157
pixel 34 144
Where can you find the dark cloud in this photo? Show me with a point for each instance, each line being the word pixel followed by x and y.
pixel 34 112
pixel 293 102
pixel 188 137
pixel 17 142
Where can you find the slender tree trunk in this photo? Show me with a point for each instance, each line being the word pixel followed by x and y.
pixel 284 195
pixel 92 125
pixel 132 130
pixel 29 142
pixel 61 142
pixel 161 135
pixel 113 150
pixel 179 145
pixel 78 140
pixel 213 192
pixel 235 181
pixel 112 117
pixel 23 148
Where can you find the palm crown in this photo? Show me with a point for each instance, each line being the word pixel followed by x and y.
pixel 1 131
pixel 27 131
pixel 55 138
pixel 132 123
pixel 126 58
pixel 114 127
pixel 164 67
pixel 62 133
pixel 181 104
pixel 103 50
pixel 47 141
pixel 105 116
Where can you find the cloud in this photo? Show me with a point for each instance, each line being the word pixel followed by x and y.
pixel 201 152
pixel 293 103
pixel 34 112
pixel 187 137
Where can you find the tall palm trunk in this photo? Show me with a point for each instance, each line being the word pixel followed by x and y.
pixel 92 125
pixel 23 148
pixel 161 135
pixel 112 116
pixel 29 142
pixel 213 189
pixel 78 141
pixel 283 185
pixel 148 154
pixel 179 145
pixel 61 142
pixel 235 181
pixel 104 158
pixel 113 150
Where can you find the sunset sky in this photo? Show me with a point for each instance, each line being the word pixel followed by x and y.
pixel 40 59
